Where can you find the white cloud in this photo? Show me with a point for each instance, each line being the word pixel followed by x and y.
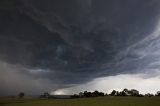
pixel 142 82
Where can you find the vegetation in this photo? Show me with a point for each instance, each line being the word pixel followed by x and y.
pixel 115 98
pixel 96 101
pixel 88 94
pixel 45 95
pixel 124 92
pixel 21 94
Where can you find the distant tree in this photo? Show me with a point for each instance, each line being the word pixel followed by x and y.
pixel 101 94
pixel 158 93
pixel 21 94
pixel 149 95
pixel 46 95
pixel 123 93
pixel 87 94
pixel 126 90
pixel 140 95
pixel 134 92
pixel 95 93
pixel 106 94
pixel 81 94
pixel 75 96
pixel 117 93
pixel 113 93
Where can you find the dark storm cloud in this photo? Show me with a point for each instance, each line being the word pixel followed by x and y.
pixel 74 41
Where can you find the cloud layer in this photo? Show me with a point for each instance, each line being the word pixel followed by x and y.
pixel 73 42
pixel 141 82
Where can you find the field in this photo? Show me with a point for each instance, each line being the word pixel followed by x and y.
pixel 100 101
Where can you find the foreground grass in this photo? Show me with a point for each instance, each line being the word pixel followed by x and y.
pixel 100 101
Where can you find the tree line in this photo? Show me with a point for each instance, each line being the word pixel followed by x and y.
pixel 96 93
pixel 124 92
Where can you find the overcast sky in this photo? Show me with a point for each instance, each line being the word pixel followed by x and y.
pixel 67 46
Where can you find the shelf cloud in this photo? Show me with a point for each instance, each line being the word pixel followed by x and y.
pixel 59 44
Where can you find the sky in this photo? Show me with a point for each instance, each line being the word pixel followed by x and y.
pixel 68 46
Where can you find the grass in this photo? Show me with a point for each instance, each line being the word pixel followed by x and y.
pixel 100 101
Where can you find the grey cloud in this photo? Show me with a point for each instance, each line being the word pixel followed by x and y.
pixel 76 41
pixel 13 81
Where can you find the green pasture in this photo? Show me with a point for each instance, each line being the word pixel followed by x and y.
pixel 99 101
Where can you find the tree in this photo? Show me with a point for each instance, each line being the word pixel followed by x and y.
pixel 81 94
pixel 123 93
pixel 134 92
pixel 46 95
pixel 87 94
pixel 21 94
pixel 101 94
pixel 126 90
pixel 158 93
pixel 106 94
pixel 95 93
pixel 149 95
pixel 75 96
pixel 118 93
pixel 113 93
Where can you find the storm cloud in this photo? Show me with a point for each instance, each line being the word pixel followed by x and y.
pixel 70 42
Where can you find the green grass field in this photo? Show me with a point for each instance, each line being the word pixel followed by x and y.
pixel 100 101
